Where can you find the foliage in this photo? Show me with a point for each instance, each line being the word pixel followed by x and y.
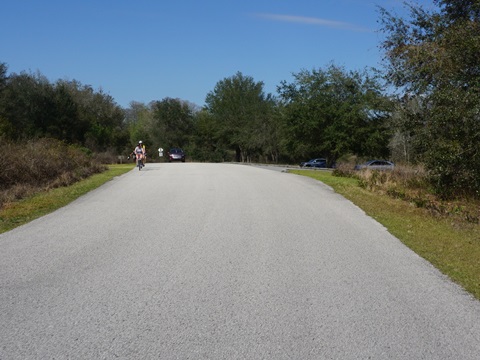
pixel 165 123
pixel 411 183
pixel 331 112
pixel 40 164
pixel 434 56
pixel 3 75
pixel 406 123
pixel 172 122
pixel 139 121
pixel 33 107
pixel 206 145
pixel 244 117
pixel 239 122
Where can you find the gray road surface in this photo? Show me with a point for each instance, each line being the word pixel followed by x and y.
pixel 223 261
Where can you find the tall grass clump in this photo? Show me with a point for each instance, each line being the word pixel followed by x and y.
pixel 414 184
pixel 42 164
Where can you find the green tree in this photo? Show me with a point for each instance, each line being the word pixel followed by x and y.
pixel 243 114
pixel 172 123
pixel 206 145
pixel 408 116
pixel 106 118
pixel 139 121
pixel 6 127
pixel 434 55
pixel 89 117
pixel 32 107
pixel 3 75
pixel 331 112
pixel 26 105
pixel 65 123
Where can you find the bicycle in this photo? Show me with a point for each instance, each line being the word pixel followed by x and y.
pixel 139 162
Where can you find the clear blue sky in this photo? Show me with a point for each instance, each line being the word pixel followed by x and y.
pixel 144 50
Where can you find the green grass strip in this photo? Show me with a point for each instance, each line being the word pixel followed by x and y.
pixel 42 203
pixel 452 248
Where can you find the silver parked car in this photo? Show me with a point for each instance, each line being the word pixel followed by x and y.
pixel 376 165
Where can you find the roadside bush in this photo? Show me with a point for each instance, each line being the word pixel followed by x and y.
pixel 41 164
pixel 108 157
pixel 345 170
pixel 413 184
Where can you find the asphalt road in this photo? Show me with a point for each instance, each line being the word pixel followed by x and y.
pixel 223 261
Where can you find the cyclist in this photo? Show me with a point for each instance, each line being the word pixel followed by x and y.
pixel 140 152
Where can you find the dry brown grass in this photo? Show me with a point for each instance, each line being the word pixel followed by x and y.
pixel 411 183
pixel 42 164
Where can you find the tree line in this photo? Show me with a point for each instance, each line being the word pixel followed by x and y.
pixel 33 107
pixel 326 112
pixel 432 117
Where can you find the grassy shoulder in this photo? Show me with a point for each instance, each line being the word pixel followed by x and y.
pixel 42 203
pixel 453 249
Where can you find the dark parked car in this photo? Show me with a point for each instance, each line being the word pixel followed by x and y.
pixel 176 154
pixel 376 165
pixel 315 163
